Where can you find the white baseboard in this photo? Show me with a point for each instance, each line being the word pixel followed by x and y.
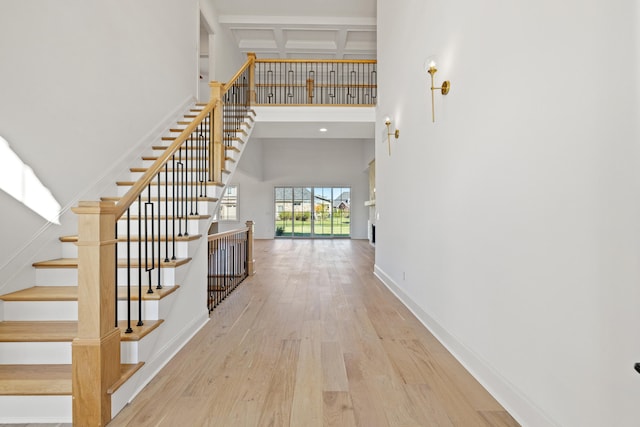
pixel 518 405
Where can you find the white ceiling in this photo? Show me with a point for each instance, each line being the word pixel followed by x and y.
pixel 346 123
pixel 327 29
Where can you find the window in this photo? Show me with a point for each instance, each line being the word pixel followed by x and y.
pixel 312 211
pixel 229 204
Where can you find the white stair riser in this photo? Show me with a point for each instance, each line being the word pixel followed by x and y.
pixel 59 353
pixel 70 250
pixel 68 310
pixel 193 226
pixel 168 276
pixel 234 155
pixel 35 409
pixel 202 207
pixel 191 191
pixel 193 151
pixel 192 176
pixel 139 351
pixel 181 249
pixel 69 276
pixel 40 310
pixel 35 353
pixel 189 159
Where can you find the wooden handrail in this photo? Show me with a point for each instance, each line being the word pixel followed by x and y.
pixel 330 61
pixel 235 77
pixel 222 234
pixel 130 197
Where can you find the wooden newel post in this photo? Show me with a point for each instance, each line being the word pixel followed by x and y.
pixel 252 78
pixel 216 146
pixel 251 262
pixel 96 350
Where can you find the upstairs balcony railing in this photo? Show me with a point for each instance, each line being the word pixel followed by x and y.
pixel 315 82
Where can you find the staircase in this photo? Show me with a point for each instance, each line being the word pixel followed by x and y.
pixel 39 322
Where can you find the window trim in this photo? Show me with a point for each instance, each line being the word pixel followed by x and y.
pixel 224 204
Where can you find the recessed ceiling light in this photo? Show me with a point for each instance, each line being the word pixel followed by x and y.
pixel 323 129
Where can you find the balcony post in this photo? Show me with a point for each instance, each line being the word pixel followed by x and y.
pixel 96 350
pixel 251 262
pixel 216 148
pixel 251 57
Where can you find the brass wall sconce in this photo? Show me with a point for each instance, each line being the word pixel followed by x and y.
pixel 444 89
pixel 396 133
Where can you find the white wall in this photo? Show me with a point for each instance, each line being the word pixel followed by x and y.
pixel 225 59
pixel 268 163
pixel 81 83
pixel 522 254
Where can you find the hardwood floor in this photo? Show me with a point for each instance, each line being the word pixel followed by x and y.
pixel 313 339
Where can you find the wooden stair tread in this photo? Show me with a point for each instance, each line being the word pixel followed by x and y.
pixel 126 372
pixel 38 331
pixel 157 294
pixel 139 332
pixel 38 380
pixel 189 238
pixel 70 293
pixel 44 293
pixel 73 263
pixel 65 331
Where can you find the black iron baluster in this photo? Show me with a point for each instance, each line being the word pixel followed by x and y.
pixel 159 244
pixel 148 206
pixel 192 181
pixel 116 276
pixel 129 330
pixel 270 79
pixel 374 82
pixel 166 212
pixel 178 201
pixel 185 189
pixel 333 83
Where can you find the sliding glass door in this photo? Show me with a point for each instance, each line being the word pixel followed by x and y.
pixel 312 211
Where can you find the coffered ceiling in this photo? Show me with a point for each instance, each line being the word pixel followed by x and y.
pixel 328 29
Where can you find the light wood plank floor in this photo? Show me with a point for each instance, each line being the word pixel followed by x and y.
pixel 314 339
